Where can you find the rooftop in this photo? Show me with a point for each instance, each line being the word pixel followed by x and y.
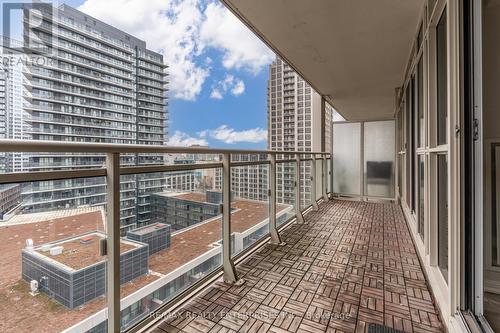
pixel 185 246
pixel 192 242
pixel 149 228
pixel 14 292
pixel 83 250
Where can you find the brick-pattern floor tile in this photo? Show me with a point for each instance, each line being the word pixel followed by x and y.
pixel 352 264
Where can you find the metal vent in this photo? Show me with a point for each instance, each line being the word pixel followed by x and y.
pixel 377 328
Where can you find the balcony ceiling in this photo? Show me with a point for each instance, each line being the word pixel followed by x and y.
pixel 353 52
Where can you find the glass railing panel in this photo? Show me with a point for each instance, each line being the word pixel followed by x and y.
pixel 249 205
pixel 319 179
pixel 285 191
pixel 179 217
pixel 305 184
pixel 53 274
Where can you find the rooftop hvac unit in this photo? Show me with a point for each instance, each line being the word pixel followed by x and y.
pixel 29 244
pixel 54 251
pixel 46 247
pixel 34 287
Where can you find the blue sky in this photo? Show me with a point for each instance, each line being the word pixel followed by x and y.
pixel 218 68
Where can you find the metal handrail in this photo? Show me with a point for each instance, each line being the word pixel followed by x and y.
pixel 51 146
pixel 83 147
pixel 34 176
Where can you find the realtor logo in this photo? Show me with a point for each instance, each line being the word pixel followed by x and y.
pixel 21 17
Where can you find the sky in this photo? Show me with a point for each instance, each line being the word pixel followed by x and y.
pixel 218 69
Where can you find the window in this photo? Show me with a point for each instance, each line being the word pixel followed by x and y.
pixel 408 161
pixel 442 191
pixel 419 36
pixel 442 84
pixel 420 106
pixel 413 142
pixel 421 194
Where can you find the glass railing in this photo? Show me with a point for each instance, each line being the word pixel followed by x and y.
pixel 111 246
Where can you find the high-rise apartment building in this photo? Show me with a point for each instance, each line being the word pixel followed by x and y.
pixel 247 182
pixel 14 90
pixel 294 124
pixel 96 83
pixel 3 114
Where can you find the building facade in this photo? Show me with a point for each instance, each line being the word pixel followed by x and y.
pixel 247 182
pixel 14 90
pixel 294 124
pixel 3 114
pixel 96 84
pixel 183 210
pixel 10 198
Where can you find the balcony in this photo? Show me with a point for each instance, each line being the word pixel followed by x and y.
pixel 73 211
pixel 350 265
pixel 399 233
pixel 318 265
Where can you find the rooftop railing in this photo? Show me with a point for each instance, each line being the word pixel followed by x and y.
pixel 317 163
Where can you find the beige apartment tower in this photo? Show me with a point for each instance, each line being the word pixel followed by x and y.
pixel 294 124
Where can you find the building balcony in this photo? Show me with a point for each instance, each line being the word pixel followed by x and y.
pixel 350 266
pixel 395 229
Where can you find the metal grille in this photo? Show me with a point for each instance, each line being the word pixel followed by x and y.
pixel 377 328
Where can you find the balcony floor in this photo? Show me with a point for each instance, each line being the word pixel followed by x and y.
pixel 352 264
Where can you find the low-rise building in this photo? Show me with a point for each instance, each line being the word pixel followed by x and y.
pixel 10 197
pixel 73 272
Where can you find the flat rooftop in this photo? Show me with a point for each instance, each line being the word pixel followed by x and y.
pixel 191 242
pixel 83 250
pixel 148 229
pixel 191 196
pixel 13 238
pixel 24 313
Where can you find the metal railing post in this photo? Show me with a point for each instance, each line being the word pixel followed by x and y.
pixel 273 231
pixel 113 240
pixel 313 182
pixel 298 211
pixel 325 180
pixel 230 275
pixel 331 177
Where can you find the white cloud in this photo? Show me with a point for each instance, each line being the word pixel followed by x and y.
pixel 216 94
pixel 168 26
pixel 238 88
pixel 181 139
pixel 181 30
pixel 234 85
pixel 229 135
pixel 240 47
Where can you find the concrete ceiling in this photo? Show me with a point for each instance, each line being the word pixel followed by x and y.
pixel 353 52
